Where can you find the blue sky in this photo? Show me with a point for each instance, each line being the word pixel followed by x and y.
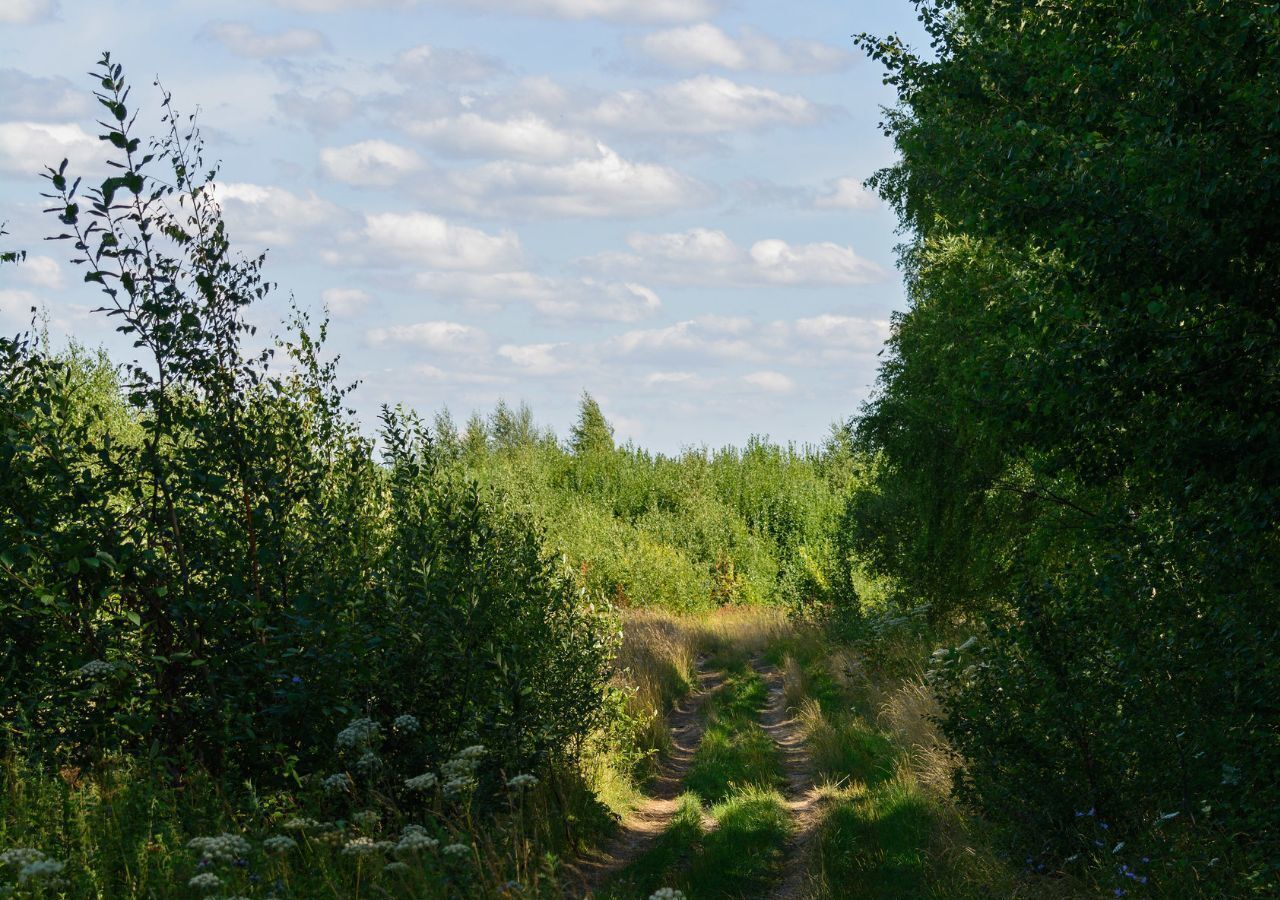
pixel 657 201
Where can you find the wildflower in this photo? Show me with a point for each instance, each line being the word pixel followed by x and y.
pixel 396 867
pixel 520 782
pixel 366 818
pixel 407 724
pixel 667 894
pixel 511 887
pixel 361 846
pixel 458 786
pixel 279 843
pixel 421 782
pixel 224 848
pixel 337 783
pixel 95 668
pixel 457 850
pixel 475 751
pixel 415 839
pixel 205 881
pixel 296 679
pixel 20 856
pixel 368 763
pixel 359 733
pixel 301 823
pixel 40 868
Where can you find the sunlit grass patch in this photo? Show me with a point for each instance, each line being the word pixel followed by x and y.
pixel 738 857
pixel 735 752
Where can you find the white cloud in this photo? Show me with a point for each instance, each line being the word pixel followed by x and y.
pixel 846 193
pixel 706 104
pixel 431 241
pixel 243 40
pixel 41 272
pixel 344 303
pixel 444 337
pixel 843 332
pixel 26 12
pixel 711 258
pixel 702 46
pixel 777 262
pixel 372 163
pixel 527 137
pixel 322 111
pixel 559 298
pixel 600 186
pixel 273 216
pixel 435 373
pixel 676 380
pixel 30 97
pixel 535 359
pixel 433 65
pixel 609 10
pixel 26 148
pixel 695 338
pixel 16 306
pixel 771 382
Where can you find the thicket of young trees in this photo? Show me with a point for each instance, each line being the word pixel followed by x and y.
pixel 203 559
pixel 686 532
pixel 1077 432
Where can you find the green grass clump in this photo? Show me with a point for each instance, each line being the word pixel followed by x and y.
pixel 738 857
pixel 876 838
pixel 735 752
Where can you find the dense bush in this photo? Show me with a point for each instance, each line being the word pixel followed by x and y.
pixel 204 561
pixel 1075 436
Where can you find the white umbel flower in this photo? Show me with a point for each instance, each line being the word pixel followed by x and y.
pixel 205 881
pixel 223 848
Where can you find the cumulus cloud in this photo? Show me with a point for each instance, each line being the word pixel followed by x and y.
pixel 26 148
pixel 433 65
pixel 770 382
pixel 344 303
pixel 702 46
pixel 443 337
pixel 433 242
pixel 373 163
pixel 30 97
pixel 846 193
pixel 609 10
pixel 27 12
pixel 321 111
pixel 40 272
pixel 702 338
pixel 559 298
pixel 603 185
pixel 242 39
pixel 522 137
pixel 535 359
pixel 838 332
pixel 709 257
pixel 703 105
pixel 273 216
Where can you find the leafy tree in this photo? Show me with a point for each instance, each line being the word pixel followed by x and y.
pixel 592 433
pixel 1076 428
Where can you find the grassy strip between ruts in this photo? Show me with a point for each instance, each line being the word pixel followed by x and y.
pixel 737 772
pixel 890 829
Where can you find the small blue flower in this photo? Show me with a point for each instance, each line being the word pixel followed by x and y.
pixel 1120 892
pixel 296 679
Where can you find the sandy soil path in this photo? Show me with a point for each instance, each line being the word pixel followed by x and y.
pixel 644 825
pixel 803 798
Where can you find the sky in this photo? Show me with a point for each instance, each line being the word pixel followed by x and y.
pixel 659 202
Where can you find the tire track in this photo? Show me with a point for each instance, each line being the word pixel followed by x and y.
pixel 643 826
pixel 804 801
